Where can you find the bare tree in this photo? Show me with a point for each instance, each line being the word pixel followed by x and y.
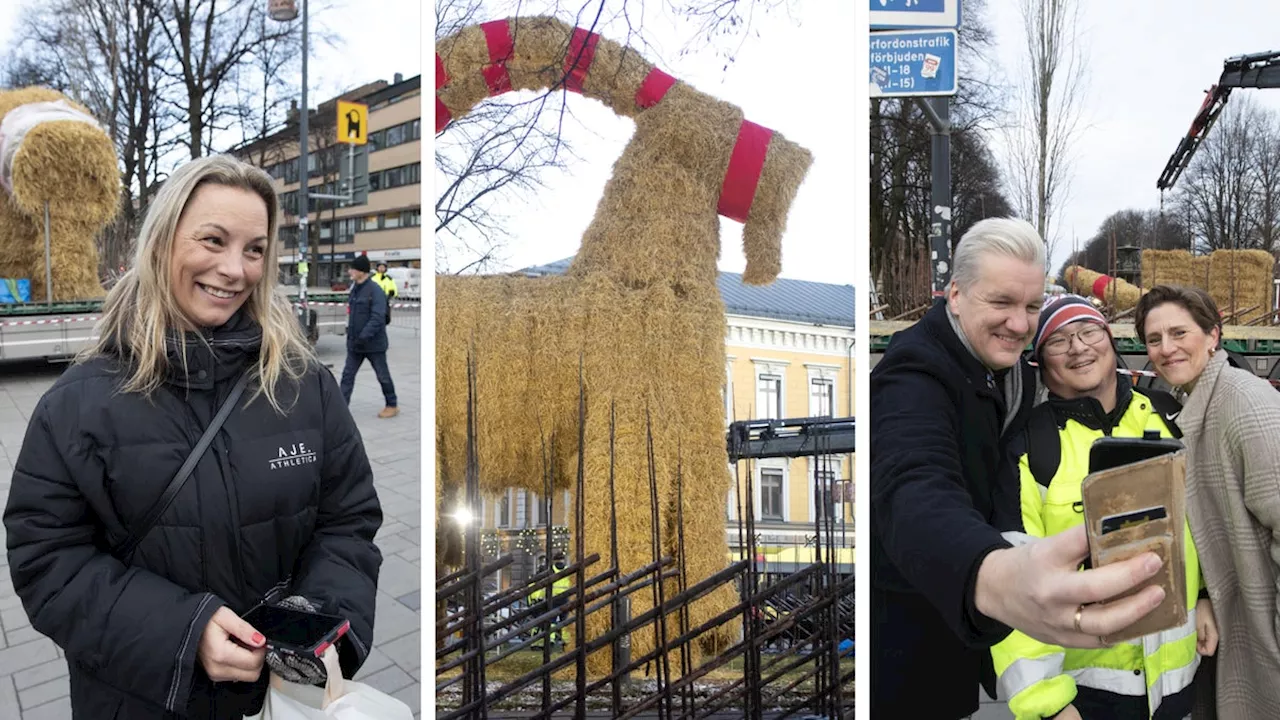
pixel 208 43
pixel 1047 112
pixel 1221 188
pixel 901 172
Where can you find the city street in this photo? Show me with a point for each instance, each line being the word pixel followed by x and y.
pixel 33 673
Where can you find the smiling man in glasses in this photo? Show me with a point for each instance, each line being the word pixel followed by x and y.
pixel 1144 678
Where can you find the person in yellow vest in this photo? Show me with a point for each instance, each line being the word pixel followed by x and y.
pixel 388 285
pixel 559 597
pixel 1146 678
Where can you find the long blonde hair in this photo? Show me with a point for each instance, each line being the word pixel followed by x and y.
pixel 141 309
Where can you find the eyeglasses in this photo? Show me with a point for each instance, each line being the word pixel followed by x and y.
pixel 1090 335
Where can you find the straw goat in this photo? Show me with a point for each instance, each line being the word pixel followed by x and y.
pixel 54 153
pixel 638 307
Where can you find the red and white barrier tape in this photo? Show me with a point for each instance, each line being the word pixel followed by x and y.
pixel 46 321
pixel 342 304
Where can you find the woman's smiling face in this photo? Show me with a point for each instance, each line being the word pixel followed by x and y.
pixel 218 251
pixel 1177 347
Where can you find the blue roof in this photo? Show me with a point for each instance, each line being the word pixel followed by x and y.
pixel 783 299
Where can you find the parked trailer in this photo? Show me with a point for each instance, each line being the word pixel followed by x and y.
pixel 31 331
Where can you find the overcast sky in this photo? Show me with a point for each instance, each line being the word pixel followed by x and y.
pixel 789 79
pixel 378 38
pixel 1150 62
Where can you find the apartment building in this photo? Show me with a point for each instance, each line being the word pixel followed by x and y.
pixel 381 214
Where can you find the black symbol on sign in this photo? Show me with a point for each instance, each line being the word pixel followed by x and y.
pixel 353 124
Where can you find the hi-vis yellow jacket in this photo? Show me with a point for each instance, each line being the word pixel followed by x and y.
pixel 1038 680
pixel 387 283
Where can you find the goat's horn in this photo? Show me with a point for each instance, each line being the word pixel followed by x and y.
pixel 538 53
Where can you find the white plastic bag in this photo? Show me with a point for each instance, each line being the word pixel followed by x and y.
pixel 339 700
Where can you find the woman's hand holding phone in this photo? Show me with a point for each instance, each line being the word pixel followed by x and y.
pixel 223 658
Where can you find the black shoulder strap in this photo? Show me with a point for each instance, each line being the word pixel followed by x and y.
pixel 1044 448
pixel 149 520
pixel 1168 408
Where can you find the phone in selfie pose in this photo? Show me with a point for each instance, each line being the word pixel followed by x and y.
pixel 293 632
pixel 1134 502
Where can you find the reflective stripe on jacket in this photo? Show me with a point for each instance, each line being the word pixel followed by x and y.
pixel 1037 679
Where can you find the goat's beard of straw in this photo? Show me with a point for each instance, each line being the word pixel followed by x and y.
pixel 641 350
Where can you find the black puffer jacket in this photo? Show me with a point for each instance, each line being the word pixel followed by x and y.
pixel 277 505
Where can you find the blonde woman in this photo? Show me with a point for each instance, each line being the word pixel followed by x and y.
pixel 145 594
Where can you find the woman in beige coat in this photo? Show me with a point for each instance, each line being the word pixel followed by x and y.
pixel 1231 426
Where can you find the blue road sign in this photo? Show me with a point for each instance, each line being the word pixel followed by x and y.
pixel 891 14
pixel 913 63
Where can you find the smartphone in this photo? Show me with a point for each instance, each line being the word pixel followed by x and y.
pixel 1111 452
pixel 296 632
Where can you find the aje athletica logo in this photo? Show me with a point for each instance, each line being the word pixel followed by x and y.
pixel 293 455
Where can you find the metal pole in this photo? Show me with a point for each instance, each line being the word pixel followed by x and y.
pixel 304 176
pixel 48 259
pixel 938 111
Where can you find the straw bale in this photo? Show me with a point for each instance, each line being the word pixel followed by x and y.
pixel 1239 280
pixel 1167 267
pixel 638 310
pixel 1081 280
pixel 72 166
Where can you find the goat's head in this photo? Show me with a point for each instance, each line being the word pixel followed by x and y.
pixel 746 172
pixel 52 150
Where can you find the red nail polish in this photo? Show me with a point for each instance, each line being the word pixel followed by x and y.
pixel 258 639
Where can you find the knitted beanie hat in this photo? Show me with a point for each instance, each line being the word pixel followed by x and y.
pixel 1063 310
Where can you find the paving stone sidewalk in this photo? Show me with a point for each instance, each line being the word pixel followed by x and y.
pixel 33 671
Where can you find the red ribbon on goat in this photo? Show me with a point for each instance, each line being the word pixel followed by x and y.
pixel 443 116
pixel 743 175
pixel 1100 286
pixel 654 88
pixel 582 50
pixel 497 35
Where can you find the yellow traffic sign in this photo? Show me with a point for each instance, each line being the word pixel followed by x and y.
pixel 353 123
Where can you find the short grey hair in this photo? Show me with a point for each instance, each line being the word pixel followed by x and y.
pixel 1010 237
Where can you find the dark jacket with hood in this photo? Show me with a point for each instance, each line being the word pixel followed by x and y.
pixel 279 505
pixel 367 318
pixel 943 488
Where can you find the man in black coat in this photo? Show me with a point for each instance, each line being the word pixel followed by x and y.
pixel 367 335
pixel 946 399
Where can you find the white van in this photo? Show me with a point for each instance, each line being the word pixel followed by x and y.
pixel 408 282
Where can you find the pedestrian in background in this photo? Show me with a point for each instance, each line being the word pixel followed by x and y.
pixel 388 285
pixel 367 335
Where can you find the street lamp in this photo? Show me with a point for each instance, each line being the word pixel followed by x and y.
pixel 286 11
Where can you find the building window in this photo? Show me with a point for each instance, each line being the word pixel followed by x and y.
pixel 411 218
pixel 771 494
pixel 503 510
pixel 827 489
pixel 769 397
pixel 822 396
pixel 395 135
pixel 391 220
